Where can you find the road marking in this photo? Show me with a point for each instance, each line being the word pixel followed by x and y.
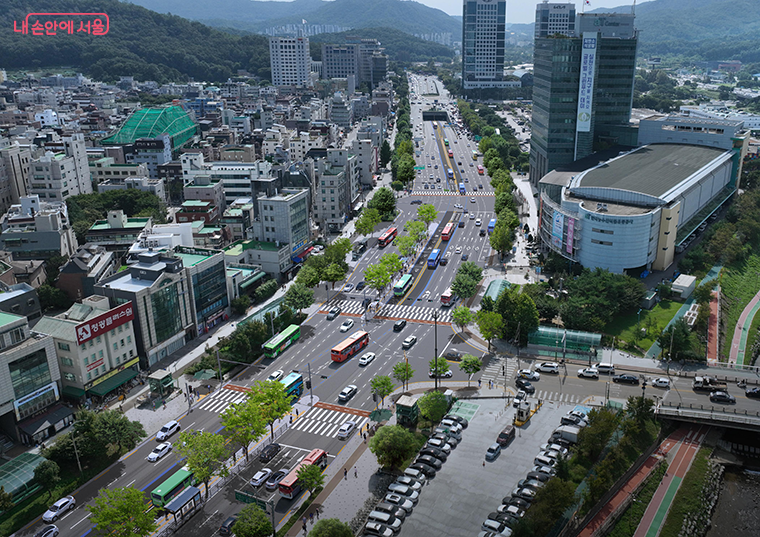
pixel 85 518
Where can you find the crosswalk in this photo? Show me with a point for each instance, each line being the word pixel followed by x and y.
pixel 557 397
pixel 494 370
pixel 392 311
pixel 326 422
pixel 432 192
pixel 220 400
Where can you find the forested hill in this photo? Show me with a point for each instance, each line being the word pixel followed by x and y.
pixel 398 45
pixel 140 42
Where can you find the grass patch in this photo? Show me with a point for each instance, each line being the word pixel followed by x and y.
pixel 283 531
pixel 738 285
pixel 688 497
pixel 630 520
pixel 752 338
pixel 623 327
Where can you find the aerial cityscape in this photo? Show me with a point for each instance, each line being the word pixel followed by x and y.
pixel 336 268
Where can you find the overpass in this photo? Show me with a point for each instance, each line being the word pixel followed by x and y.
pixel 719 416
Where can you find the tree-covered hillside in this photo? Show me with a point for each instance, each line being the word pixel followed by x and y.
pixel 399 46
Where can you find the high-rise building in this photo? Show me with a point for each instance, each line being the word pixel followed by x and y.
pixel 63 171
pixel 290 60
pixel 582 86
pixel 483 23
pixel 363 58
pixel 555 18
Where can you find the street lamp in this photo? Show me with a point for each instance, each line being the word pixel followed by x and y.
pixel 435 347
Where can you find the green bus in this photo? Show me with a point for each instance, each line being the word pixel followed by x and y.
pixel 172 487
pixel 402 286
pixel 293 386
pixel 446 141
pixel 275 346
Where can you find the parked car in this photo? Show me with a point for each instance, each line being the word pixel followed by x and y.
pixel 722 397
pixel 376 528
pixel 439 443
pixel 539 476
pixel 506 436
pixel 159 451
pixel 333 313
pixel 450 440
pixel 346 429
pixel 260 477
pixel 167 430
pixel 524 493
pixel 426 469
pixel 402 490
pixel 398 512
pixel 59 508
pixel 573 420
pixel 413 482
pixel 434 452
pixel 493 451
pixel 459 419
pixel 347 393
pixel 626 379
pixel 347 325
pixel 589 373
pixel 430 461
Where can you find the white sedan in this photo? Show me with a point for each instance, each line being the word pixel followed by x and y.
pixel 347 325
pixel 661 382
pixel 589 373
pixel 277 375
pixel 366 358
pixel 346 429
pixel 159 451
pixel 529 375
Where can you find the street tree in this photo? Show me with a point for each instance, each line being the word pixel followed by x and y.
pixel 244 423
pixel 385 154
pixel 6 499
pixel 334 273
pixel 392 263
pixel 427 213
pixel 416 229
pixel 501 239
pixel 205 454
pixel 703 293
pixel 518 311
pixel 470 364
pixel 406 245
pixel 471 270
pixel 309 276
pixel 120 433
pixel 47 474
pixel 311 477
pixel 405 170
pixel 392 445
pixel 377 277
pixel 241 304
pixel 403 373
pixel 464 286
pixel 640 408
pixel 331 527
pixel 366 223
pixel 398 186
pixel 299 297
pixel 382 386
pixel 273 401
pixel 120 512
pixel 384 201
pixel 439 366
pixel 252 522
pixel 433 406
pixel 504 200
pixel 338 250
pixel 490 325
pixel 462 316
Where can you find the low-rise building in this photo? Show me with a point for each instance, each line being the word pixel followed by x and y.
pixel 89 264
pixel 145 184
pixel 118 231
pixel 207 277
pixel 238 218
pixel 59 175
pixel 37 230
pixel 273 258
pixel 20 299
pixel 202 188
pixel 12 272
pixel 106 169
pixel 197 210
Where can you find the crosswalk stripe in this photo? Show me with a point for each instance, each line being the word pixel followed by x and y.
pixel 332 430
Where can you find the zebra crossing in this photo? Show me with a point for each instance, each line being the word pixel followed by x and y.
pixel 220 400
pixel 556 397
pixel 495 372
pixel 326 422
pixel 392 311
pixel 432 192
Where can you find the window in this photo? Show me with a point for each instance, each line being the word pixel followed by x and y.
pixel 121 327
pixel 67 362
pixel 129 339
pixel 100 354
pixel 63 346
pixel 115 346
pixel 122 342
pixel 97 339
pixel 86 361
pixel 89 376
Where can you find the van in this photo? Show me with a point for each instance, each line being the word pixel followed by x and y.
pixel 605 368
pixel 385 518
pixel 506 436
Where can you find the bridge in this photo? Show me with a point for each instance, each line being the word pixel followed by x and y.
pixel 720 416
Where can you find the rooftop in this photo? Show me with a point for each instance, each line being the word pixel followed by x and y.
pixel 132 223
pixel 8 318
pixel 190 260
pixel 152 122
pixel 237 248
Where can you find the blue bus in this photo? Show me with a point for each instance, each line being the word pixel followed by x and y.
pixel 491 225
pixel 461 188
pixel 433 258
pixel 293 386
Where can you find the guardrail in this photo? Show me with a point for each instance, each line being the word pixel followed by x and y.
pixel 709 413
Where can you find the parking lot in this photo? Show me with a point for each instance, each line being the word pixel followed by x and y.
pixel 465 491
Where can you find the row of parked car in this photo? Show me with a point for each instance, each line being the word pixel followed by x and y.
pixel 403 494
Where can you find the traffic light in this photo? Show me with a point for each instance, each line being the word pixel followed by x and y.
pixel 308 384
pixel 374 397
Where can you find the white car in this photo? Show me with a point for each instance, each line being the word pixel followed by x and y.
pixel 347 393
pixel 529 375
pixel 366 358
pixel 472 217
pixel 347 325
pixel 159 451
pixel 472 200
pixel 458 250
pixel 59 508
pixel 440 444
pixel 521 395
pixel 589 373
pixel 277 375
pixel 661 382
pixel 345 429
pixel 260 477
pixel 167 430
pixel 478 222
pixel 548 367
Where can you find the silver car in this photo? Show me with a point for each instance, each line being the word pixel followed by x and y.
pixel 59 508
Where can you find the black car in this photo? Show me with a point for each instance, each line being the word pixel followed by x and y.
pixel 626 379
pixel 361 285
pixel 465 257
pixel 444 261
pixel 517 502
pixel 333 313
pixel 226 527
pixel 753 392
pixel 430 461
pixel 434 452
pixel 539 476
pixel 525 385
pixel 268 453
pixel 722 397
pixel 416 202
pixel 399 325
pixel 459 419
pixel 482 232
pixel 426 469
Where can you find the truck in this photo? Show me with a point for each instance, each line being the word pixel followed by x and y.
pixel 567 432
pixel 707 384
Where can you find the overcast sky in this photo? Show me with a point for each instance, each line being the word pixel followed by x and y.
pixel 519 10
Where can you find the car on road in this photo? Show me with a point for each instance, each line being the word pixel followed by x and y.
pixel 752 392
pixel 347 393
pixel 521 396
pixel 472 217
pixel 346 429
pixel 458 250
pixel 409 342
pixel 548 367
pixel 348 287
pixel 226 527
pixel 493 451
pixel 437 464
pixel 626 379
pixel 48 531
pixel 661 382
pixel 444 261
pixel 366 358
pixel 465 257
pixel 525 385
pixel 167 430
pixel 399 325
pixel 472 200
pixel 722 397
pixel 347 325
pixel 159 451
pixel 260 477
pixel 478 222
pixel 480 187
pixel 333 313
pixel 445 375
pixel 276 375
pixel 458 206
pixel 59 508
pixel 274 479
pixel 361 285
pixel 416 202
pixel 528 374
pixel 588 373
pixel 482 232
pixel 434 452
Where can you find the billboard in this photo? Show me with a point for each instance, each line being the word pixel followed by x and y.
pixel 570 235
pixel 558 224
pixel 104 323
pixel 586 85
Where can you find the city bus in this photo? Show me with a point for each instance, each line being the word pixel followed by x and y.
pixel 387 237
pixel 289 486
pixel 349 346
pixel 275 346
pixel 293 386
pixel 491 225
pixel 451 153
pixel 474 154
pixel 481 171
pixel 450 173
pixel 433 258
pixel 448 298
pixel 446 142
pixel 403 285
pixel 172 487
pixel 448 231
pixel 461 188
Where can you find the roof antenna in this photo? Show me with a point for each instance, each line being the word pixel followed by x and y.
pixel 633 8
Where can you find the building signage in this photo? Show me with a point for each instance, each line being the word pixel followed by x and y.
pixel 94 365
pixel 615 221
pixel 586 85
pixel 298 245
pixel 559 223
pixel 112 372
pixel 104 323
pixel 570 235
pixel 37 394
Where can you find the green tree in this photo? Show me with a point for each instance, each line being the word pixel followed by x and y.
pixel 120 433
pixel 53 298
pixel 385 154
pixel 334 273
pixel 676 341
pixel 331 527
pixel 392 445
pixel 244 423
pixel 309 276
pixel 464 286
pixel 406 245
pixel 120 512
pixel 252 522
pixel 47 474
pixel 384 201
pixel 462 316
pixel 6 500
pixel 299 297
pixel 377 277
pixel 403 373
pixel 338 250
pixel 398 186
pixel 241 304
pixel 205 454
pixel 504 200
pixel 427 213
pixel 552 500
pixel 703 293
pixel 470 365
pixel 311 477
pixel 382 385
pixel 439 366
pixel 641 409
pixel 501 239
pixel 273 401
pixel 366 223
pixel 433 406
pixel 416 229
pixel 518 311
pixel 490 325
pixel 392 263
pixel 471 270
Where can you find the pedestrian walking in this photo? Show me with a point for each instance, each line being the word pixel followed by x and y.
pixel 304 521
pixel 356 472
pixel 296 412
pixel 311 517
pixel 164 405
pixel 291 419
pixel 479 383
pixel 345 473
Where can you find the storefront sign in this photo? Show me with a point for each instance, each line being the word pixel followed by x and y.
pixel 570 235
pixel 37 394
pixel 615 221
pixel 94 365
pixel 112 372
pixel 586 85
pixel 557 227
pixel 104 323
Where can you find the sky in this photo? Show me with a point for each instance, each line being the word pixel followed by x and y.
pixel 519 11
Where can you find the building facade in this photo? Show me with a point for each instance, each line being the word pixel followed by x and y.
pixel 37 230
pixel 207 277
pixel 483 26
pixel 14 173
pixel 290 61
pixel 554 18
pixel 57 176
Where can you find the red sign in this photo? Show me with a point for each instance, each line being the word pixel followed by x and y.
pixel 94 365
pixel 104 323
pixel 65 23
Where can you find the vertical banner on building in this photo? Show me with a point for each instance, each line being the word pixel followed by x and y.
pixel 586 86
pixel 570 235
pixel 559 223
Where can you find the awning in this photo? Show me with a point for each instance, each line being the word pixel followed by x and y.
pixel 253 280
pixel 307 251
pixel 73 392
pixel 296 259
pixel 110 384
pixel 37 424
pixel 183 499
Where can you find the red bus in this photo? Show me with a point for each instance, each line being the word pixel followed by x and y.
pixel 387 237
pixel 448 231
pixel 350 346
pixel 481 171
pixel 451 154
pixel 290 487
pixel 448 297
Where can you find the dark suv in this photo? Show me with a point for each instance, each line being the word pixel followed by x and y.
pixel 268 453
pixel 399 325
pixel 333 313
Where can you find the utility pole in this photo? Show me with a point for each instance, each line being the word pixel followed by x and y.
pixel 311 384
pixel 76 453
pixel 435 355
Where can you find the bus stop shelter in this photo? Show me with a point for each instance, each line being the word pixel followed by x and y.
pixel 184 506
